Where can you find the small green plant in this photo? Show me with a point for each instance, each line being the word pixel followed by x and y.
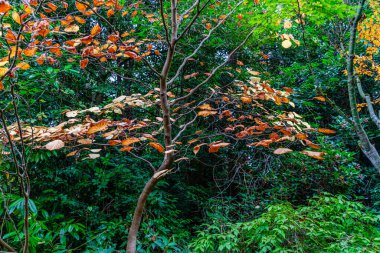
pixel 328 224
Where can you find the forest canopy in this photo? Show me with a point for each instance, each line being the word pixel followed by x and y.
pixel 189 126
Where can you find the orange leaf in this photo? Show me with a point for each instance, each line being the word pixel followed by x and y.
pixel 83 63
pixel 214 147
pixel 281 151
pixel 80 20
pixel 208 26
pixel 206 113
pixel 110 12
pixel 96 30
pixel 73 153
pixel 127 149
pixel 114 142
pixel 326 131
pixel 130 141
pixel 240 63
pixel 301 136
pixel 113 37
pixel 81 7
pixel 246 99
pixel 197 148
pixel 52 6
pixel 85 141
pixel 157 146
pixel 191 75
pixel 97 127
pixel 263 143
pixel 4 6
pixel 320 98
pixel 313 154
pixel 30 51
pixel 40 60
pixel 312 145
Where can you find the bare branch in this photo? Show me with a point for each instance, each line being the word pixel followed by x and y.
pixel 164 21
pixel 214 70
pixel 367 98
pixel 200 45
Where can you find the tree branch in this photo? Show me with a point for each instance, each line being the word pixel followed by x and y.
pixel 214 70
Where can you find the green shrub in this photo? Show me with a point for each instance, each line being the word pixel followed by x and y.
pixel 328 224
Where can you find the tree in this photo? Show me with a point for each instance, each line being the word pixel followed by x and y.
pixel 368 149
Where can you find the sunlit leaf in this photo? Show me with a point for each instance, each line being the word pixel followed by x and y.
pixel 16 17
pixel 100 126
pixel 96 30
pixel 54 145
pixel 286 44
pixel 157 146
pixel 129 141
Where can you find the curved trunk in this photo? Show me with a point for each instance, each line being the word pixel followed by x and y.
pixel 366 146
pixel 133 231
pixel 136 221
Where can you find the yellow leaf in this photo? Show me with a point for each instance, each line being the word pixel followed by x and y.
pixel 16 17
pixel 287 24
pixel 72 29
pixel 3 71
pixel 286 44
pixel 23 65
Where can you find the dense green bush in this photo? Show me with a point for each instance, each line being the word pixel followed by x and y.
pixel 328 224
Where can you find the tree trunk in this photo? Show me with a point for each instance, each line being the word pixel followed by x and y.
pixel 133 230
pixel 366 146
pixel 136 221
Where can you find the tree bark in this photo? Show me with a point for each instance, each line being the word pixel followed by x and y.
pixel 364 143
pixel 133 231
pixel 167 126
